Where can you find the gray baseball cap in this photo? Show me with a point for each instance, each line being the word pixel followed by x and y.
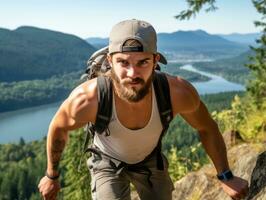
pixel 134 29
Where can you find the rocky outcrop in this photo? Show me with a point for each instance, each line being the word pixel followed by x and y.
pixel 246 161
pixel 258 179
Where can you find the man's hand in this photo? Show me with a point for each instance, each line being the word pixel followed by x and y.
pixel 49 188
pixel 236 187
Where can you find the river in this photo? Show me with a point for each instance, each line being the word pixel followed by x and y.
pixel 32 123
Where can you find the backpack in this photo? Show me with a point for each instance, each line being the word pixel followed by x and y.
pixel 97 65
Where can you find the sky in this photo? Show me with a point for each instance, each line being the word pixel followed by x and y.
pixel 95 18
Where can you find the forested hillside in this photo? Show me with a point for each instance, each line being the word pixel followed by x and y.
pixel 28 93
pixel 29 53
pixel 39 66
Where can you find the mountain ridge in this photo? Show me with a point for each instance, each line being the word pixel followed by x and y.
pixel 28 53
pixel 186 44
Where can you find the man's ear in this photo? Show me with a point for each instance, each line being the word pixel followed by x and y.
pixel 156 60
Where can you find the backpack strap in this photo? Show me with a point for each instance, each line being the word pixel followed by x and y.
pixel 105 104
pixel 162 92
pixel 163 97
pixel 104 114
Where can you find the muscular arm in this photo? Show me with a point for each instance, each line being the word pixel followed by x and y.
pixel 187 103
pixel 210 136
pixel 77 110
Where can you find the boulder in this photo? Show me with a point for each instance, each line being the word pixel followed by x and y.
pixel 246 161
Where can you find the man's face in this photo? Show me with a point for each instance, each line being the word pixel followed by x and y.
pixel 132 74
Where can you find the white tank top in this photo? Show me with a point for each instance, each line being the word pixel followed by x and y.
pixel 131 146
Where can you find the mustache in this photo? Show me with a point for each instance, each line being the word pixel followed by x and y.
pixel 133 80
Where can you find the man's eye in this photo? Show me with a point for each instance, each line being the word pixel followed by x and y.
pixel 123 62
pixel 144 62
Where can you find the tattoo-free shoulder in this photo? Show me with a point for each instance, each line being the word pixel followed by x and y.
pixel 82 102
pixel 184 96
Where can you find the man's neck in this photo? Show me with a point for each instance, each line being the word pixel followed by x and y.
pixel 135 105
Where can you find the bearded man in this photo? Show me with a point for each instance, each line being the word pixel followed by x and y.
pixel 126 155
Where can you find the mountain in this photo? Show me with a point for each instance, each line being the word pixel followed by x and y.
pixel 189 43
pixel 184 39
pixel 28 53
pixel 248 38
pixel 198 42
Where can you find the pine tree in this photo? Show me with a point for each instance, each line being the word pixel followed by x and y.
pixel 257 86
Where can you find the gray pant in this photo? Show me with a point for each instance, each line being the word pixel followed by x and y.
pixel 110 181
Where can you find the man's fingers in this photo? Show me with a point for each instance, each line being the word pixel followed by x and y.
pixel 49 194
pixel 241 194
pixel 244 192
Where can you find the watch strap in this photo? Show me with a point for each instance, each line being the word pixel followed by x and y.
pixel 51 177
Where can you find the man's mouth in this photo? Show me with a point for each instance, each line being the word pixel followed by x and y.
pixel 134 81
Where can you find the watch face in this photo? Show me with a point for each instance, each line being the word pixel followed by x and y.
pixel 227 175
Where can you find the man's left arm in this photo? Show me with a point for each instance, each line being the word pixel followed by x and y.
pixel 213 143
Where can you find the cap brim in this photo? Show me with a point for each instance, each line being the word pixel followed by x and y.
pixel 162 59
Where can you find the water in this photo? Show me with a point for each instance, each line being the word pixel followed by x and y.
pixel 32 123
pixel 215 85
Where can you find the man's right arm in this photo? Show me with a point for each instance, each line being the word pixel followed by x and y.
pixel 77 110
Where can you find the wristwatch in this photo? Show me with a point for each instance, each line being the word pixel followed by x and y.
pixel 225 175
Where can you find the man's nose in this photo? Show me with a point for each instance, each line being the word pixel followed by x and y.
pixel 132 71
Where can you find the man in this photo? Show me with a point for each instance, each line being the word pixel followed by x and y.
pixel 135 127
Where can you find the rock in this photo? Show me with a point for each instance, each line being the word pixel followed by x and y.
pixel 203 184
pixel 258 179
pixel 232 138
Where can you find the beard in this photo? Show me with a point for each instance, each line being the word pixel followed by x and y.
pixel 131 94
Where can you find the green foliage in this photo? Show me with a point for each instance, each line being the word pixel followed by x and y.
pixel 230 119
pixel 21 167
pixel 244 117
pixel 76 177
pixel 194 6
pixel 17 95
pixel 187 159
pixel 257 86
